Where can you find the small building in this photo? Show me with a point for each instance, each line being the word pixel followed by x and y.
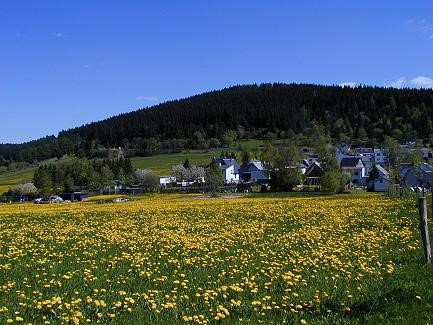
pixel 74 196
pixel 356 168
pixel 314 174
pixel 133 190
pixel 229 168
pixel 380 180
pixel 254 172
pixel 165 181
pixel 117 185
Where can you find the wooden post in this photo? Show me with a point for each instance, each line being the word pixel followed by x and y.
pixel 423 226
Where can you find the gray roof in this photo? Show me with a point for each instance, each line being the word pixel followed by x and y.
pixel 253 165
pixel 382 171
pixel 225 163
pixel 366 160
pixel 350 162
pixel 426 168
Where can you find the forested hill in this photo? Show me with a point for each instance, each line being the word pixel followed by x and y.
pixel 253 111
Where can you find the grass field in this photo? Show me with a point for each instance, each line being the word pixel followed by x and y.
pixel 162 164
pixel 190 259
pixel 11 179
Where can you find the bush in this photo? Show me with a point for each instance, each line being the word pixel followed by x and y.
pixel 331 182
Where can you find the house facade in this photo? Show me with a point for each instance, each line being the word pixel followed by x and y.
pixel 379 157
pixel 229 168
pixel 380 183
pixel 254 172
pixel 165 181
pixel 314 174
pixel 356 168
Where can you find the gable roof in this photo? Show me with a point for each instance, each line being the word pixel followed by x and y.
pixel 305 163
pixel 350 162
pixel 252 166
pixel 365 159
pixel 382 172
pixel 225 163
pixel 426 168
pixel 314 170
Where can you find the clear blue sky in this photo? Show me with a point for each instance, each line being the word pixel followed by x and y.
pixel 66 63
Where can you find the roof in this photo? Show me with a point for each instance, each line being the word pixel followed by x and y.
pixel 305 163
pixel 350 162
pixel 225 163
pixel 364 150
pixel 315 170
pixel 382 170
pixel 253 165
pixel 426 168
pixel 258 164
pixel 365 160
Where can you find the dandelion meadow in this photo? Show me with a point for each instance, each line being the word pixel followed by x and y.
pixel 180 259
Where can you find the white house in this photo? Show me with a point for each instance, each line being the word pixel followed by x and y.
pixel 164 181
pixel 229 168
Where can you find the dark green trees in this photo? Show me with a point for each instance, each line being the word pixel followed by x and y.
pixel 214 177
pixel 284 166
pixel 79 174
pixel 266 111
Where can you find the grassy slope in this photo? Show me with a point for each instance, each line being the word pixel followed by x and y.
pixel 11 179
pixel 161 164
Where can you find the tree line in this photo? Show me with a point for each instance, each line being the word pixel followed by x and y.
pixel 266 111
pixel 77 174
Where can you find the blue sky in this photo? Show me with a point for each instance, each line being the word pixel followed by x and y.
pixel 67 63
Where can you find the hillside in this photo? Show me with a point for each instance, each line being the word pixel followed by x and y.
pixel 10 179
pixel 161 164
pixel 254 111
